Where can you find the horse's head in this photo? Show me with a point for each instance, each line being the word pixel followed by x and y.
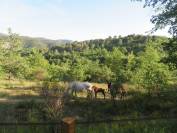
pixel 91 89
pixel 109 85
pixel 94 88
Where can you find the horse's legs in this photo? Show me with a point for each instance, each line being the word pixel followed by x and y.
pixel 89 94
pixel 95 94
pixel 121 96
pixel 75 93
pixel 120 93
pixel 108 90
pixel 72 91
pixel 124 94
pixel 103 93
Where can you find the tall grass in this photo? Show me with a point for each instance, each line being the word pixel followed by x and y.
pixel 162 126
pixel 30 129
pixel 153 126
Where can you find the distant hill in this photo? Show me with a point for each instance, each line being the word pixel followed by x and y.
pixel 31 42
pixel 135 43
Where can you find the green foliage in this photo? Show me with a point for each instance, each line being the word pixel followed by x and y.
pixel 166 11
pixel 171 49
pixel 38 65
pixel 116 56
pixel 116 61
pixel 14 65
pixel 11 61
pixel 58 72
pixel 130 66
pixel 135 43
pixel 101 73
pixel 113 59
pixel 157 126
pixel 165 16
pixel 151 73
pixel 77 73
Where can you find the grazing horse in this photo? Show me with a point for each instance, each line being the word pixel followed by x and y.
pixel 109 86
pixel 79 86
pixel 98 90
pixel 123 90
pixel 116 89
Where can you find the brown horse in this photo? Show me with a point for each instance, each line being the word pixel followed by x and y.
pixel 98 90
pixel 123 90
pixel 109 86
pixel 116 89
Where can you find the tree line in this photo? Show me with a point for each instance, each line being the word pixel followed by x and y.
pixel 95 61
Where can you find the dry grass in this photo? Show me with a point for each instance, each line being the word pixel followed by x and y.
pixel 17 83
pixel 22 89
pixel 17 89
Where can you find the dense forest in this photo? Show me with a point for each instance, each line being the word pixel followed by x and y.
pixel 137 59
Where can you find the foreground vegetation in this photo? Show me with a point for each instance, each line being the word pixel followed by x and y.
pixel 159 126
pixel 156 126
pixel 34 107
pixel 29 104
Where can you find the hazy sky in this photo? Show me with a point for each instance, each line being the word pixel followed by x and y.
pixel 75 19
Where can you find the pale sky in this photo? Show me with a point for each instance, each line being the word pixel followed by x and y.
pixel 75 19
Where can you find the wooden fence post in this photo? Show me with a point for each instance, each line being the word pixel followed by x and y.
pixel 68 125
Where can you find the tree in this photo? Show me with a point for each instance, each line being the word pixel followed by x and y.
pixel 59 72
pixel 166 14
pixel 150 73
pixel 11 61
pixel 1 58
pixel 77 72
pixel 37 65
pixel 115 61
pixel 14 66
pixel 171 49
pixel 130 66
pixel 99 72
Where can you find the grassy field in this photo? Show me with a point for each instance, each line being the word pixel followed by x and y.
pixel 16 91
pixel 163 126
pixel 22 101
pixel 26 90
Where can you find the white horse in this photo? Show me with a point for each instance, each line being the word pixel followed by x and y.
pixel 79 86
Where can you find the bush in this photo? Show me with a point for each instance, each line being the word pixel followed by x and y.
pixel 52 88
